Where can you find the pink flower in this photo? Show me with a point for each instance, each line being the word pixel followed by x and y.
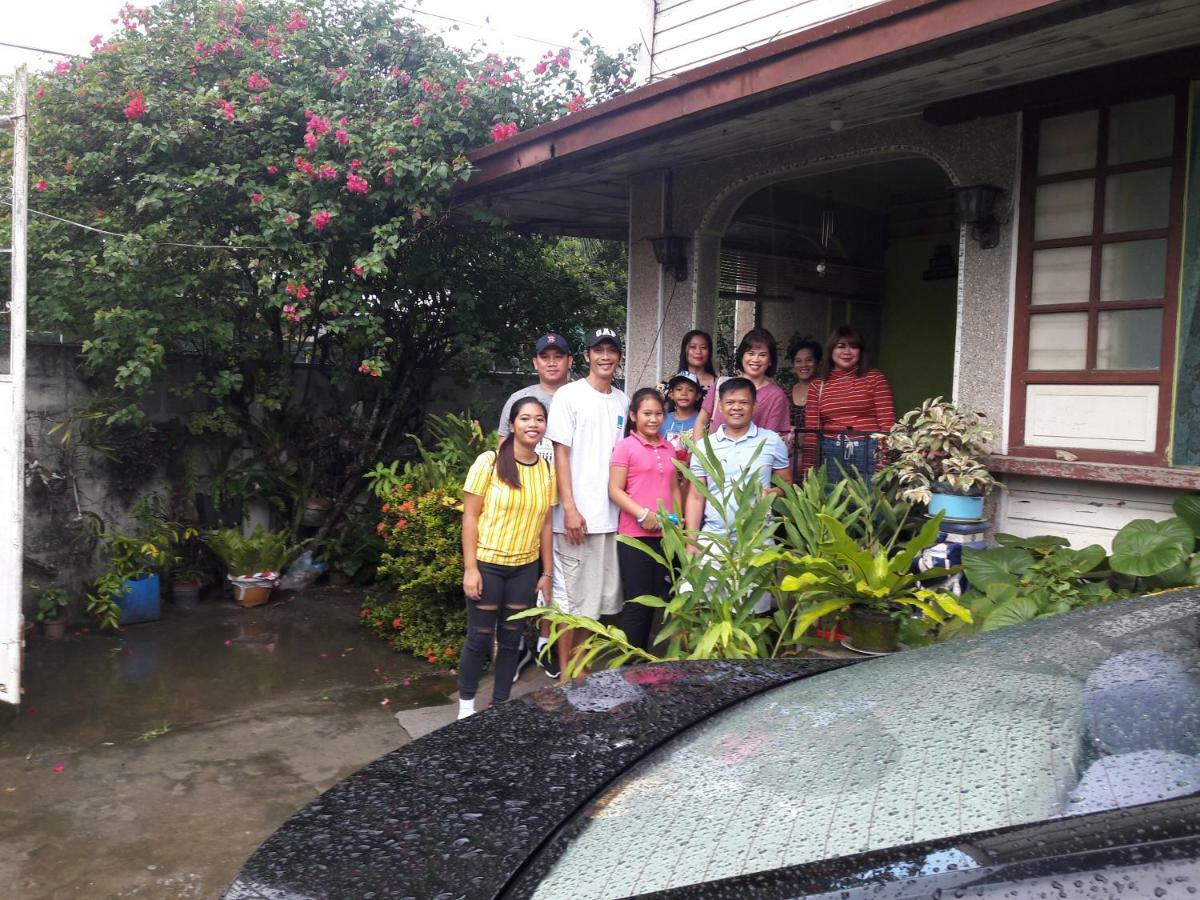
pixel 320 219
pixel 539 69
pixel 303 166
pixel 415 121
pixel 40 93
pixel 356 184
pixel 62 68
pixel 272 170
pixel 341 137
pixel 358 270
pixel 576 103
pixel 325 173
pixel 59 767
pixel 290 218
pixel 256 198
pixel 504 130
pixel 135 107
pixel 96 41
pixel 226 109
pixel 405 78
pixel 257 82
pixel 464 102
pixel 289 312
pixel 296 22
pixel 338 76
pixel 310 141
pixel 356 164
pixel 40 185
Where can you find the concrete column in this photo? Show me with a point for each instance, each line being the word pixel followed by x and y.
pixel 643 349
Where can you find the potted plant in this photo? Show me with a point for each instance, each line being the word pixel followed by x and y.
pixel 51 612
pixel 939 452
pixel 877 588
pixel 253 562
pixel 191 569
pixel 128 591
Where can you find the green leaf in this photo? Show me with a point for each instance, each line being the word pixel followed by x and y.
pixel 1011 612
pixel 1145 547
pixel 1187 508
pixel 1004 565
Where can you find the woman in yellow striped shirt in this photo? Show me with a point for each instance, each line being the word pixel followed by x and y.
pixel 507 548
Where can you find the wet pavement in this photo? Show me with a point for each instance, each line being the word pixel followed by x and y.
pixel 152 763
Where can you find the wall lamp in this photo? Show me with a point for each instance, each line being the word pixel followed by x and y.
pixel 671 252
pixel 975 205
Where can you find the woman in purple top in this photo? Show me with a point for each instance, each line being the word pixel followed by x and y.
pixel 644 483
pixel 758 359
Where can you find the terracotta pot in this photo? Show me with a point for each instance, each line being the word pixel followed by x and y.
pixel 250 596
pixel 873 631
pixel 54 629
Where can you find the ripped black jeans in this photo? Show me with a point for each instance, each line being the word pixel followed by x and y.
pixel 506 589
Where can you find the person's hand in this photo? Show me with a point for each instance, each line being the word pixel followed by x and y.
pixel 691 548
pixel 651 523
pixel 575 526
pixel 545 586
pixel 472 584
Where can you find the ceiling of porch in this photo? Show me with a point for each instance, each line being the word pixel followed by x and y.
pixel 586 191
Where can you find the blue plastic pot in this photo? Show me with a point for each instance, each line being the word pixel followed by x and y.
pixel 956 506
pixel 141 601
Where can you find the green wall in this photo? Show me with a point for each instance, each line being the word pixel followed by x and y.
pixel 916 346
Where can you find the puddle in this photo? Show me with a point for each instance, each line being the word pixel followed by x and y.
pixel 209 662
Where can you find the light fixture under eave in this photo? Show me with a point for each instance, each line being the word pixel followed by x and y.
pixel 671 252
pixel 975 205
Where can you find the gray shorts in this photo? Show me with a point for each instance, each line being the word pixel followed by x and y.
pixel 586 579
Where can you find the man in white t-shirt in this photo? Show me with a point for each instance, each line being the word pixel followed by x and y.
pixel 586 421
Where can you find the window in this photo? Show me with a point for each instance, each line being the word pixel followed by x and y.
pixel 1098 259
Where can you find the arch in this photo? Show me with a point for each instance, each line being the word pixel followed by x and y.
pixel 725 204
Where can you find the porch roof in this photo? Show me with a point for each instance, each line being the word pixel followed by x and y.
pixel 947 59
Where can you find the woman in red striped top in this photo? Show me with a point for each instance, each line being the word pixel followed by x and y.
pixel 849 401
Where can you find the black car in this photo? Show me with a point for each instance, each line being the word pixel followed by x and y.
pixel 1060 758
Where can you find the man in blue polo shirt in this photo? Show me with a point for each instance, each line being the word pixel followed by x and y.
pixel 744 451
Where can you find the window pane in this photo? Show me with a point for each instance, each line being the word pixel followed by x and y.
pixel 1134 270
pixel 1137 201
pixel 1129 339
pixel 1064 209
pixel 1058 341
pixel 1062 275
pixel 1142 130
pixel 1067 143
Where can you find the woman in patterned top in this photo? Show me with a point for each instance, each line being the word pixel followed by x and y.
pixel 507 548
pixel 805 354
pixel 848 404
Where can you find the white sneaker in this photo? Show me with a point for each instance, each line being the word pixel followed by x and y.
pixel 466 708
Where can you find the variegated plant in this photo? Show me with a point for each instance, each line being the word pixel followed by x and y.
pixel 939 447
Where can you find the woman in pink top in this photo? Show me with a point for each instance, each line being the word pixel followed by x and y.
pixel 644 484
pixel 758 359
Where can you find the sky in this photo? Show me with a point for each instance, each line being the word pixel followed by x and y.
pixel 525 28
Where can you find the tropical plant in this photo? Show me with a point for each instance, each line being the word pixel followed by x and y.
pixel 52 604
pixel 844 576
pixel 458 440
pixel 716 579
pixel 148 548
pixel 1159 555
pixel 1030 578
pixel 939 448
pixel 261 551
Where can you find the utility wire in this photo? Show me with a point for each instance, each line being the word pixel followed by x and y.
pixel 489 27
pixel 37 49
pixel 138 237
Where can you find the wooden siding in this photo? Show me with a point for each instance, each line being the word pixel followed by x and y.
pixel 689 33
pixel 1081 512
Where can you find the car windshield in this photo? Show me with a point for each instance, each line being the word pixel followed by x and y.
pixel 1062 717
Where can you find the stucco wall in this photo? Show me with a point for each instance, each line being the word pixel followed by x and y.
pixel 705 198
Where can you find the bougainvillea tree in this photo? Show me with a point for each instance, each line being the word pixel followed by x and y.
pixel 269 185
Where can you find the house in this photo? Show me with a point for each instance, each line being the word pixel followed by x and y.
pixel 805 156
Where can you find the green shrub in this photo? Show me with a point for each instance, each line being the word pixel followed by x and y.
pixel 419 607
pixel 262 551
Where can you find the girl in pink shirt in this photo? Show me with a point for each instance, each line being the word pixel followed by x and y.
pixel 644 484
